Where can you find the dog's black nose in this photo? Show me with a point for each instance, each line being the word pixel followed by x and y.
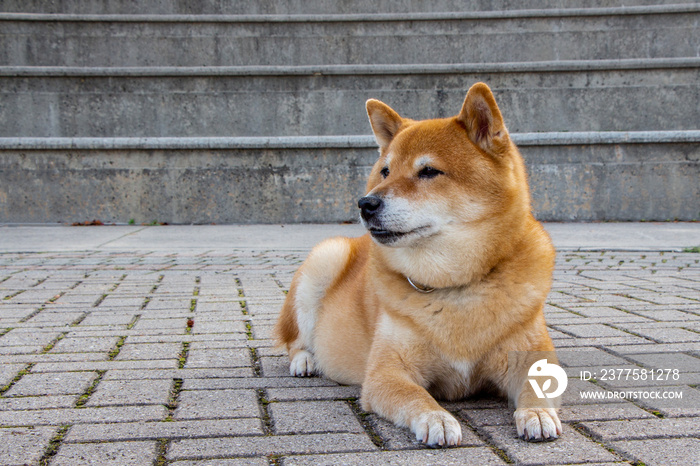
pixel 370 206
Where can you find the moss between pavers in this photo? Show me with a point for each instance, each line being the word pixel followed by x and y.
pixel 182 359
pixel 363 418
pixel 54 445
pixel 173 398
pixel 50 346
pixel 115 352
pixel 90 390
pixel 263 402
pixel 161 451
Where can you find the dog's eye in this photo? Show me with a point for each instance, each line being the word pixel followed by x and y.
pixel 429 172
pixel 385 172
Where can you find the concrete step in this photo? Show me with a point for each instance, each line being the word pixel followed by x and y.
pixel 615 95
pixel 574 177
pixel 169 7
pixel 409 38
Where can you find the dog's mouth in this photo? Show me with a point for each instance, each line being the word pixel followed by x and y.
pixel 391 236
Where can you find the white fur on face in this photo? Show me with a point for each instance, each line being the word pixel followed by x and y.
pixel 387 159
pixel 423 161
pixel 414 220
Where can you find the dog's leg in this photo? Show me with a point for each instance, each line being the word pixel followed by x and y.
pixel 287 333
pixel 395 389
pixel 400 399
pixel 301 363
pixel 536 419
pixel 297 322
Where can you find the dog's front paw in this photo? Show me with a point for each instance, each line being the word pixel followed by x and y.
pixel 437 428
pixel 302 364
pixel 537 424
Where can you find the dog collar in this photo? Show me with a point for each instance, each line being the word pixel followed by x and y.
pixel 419 288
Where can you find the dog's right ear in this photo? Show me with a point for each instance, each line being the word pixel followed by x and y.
pixel 384 120
pixel 482 118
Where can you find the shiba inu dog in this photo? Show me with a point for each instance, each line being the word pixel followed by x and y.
pixel 451 277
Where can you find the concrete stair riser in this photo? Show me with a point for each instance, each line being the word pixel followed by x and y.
pixel 216 7
pixel 156 41
pixel 569 182
pixel 617 100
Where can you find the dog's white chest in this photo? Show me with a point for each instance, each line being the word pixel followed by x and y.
pixel 454 380
pixel 463 369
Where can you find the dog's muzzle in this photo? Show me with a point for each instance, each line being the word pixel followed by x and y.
pixel 371 208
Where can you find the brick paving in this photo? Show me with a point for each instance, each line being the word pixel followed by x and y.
pixel 166 358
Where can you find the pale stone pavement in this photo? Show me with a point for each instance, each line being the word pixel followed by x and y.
pixel 158 351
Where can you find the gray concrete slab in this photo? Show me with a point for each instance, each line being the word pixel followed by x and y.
pixel 625 236
pixel 566 236
pixel 38 238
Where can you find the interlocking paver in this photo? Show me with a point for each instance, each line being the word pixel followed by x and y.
pixel 169 304
pixel 112 318
pixel 313 417
pixel 61 383
pixel 581 357
pixel 590 330
pixel 278 444
pixel 104 365
pixel 161 430
pixel 660 452
pixel 224 383
pixel 225 462
pixel 239 373
pixel 583 412
pixel 8 372
pixel 218 357
pixel 149 351
pixel 24 445
pixel 217 404
pixel 314 393
pixel 681 362
pixel 225 326
pixel 115 326
pixel 161 324
pixel 47 318
pixel 688 405
pixel 59 417
pixel 85 345
pixel 651 428
pixel 10 350
pixel 37 402
pixel 130 392
pixel 117 453
pixel 26 337
pixel 462 457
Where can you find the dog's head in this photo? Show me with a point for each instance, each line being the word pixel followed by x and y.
pixel 436 178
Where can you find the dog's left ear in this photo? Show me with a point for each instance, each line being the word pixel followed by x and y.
pixel 384 120
pixel 483 120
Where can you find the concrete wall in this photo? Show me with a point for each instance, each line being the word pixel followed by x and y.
pixel 428 38
pixel 218 186
pixel 605 180
pixel 253 110
pixel 248 7
pixel 533 98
